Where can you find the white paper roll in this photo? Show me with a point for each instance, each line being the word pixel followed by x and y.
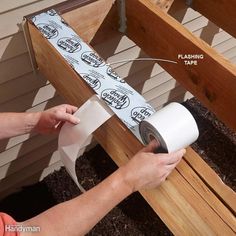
pixel 173 126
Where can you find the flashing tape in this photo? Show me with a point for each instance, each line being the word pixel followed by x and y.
pixel 125 102
pixel 174 127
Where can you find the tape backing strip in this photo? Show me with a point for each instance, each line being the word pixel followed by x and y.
pixel 114 96
pixel 73 139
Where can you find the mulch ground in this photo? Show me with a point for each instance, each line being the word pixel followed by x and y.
pixel 216 145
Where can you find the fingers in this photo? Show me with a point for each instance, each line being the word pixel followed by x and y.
pixel 172 166
pixel 169 168
pixel 149 170
pixel 64 113
pixel 172 158
pixel 62 116
pixel 151 147
pixel 66 108
pixel 70 109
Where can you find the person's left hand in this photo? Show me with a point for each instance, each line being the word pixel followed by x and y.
pixel 51 120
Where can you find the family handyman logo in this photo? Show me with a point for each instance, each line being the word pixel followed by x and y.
pixel 70 45
pixel 20 228
pixel 115 98
pixel 47 30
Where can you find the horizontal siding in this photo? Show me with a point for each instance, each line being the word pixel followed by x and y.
pixel 7 5
pixel 21 149
pixel 27 171
pixel 225 45
pixel 139 80
pixel 27 83
pixel 9 46
pixel 15 67
pixel 29 99
pixel 13 184
pixel 156 81
pixel 28 158
pixel 220 40
pixel 173 97
pixel 182 13
pixel 230 52
pixel 10 20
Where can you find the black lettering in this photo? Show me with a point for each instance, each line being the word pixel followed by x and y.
pixel 115 98
pixel 47 30
pixel 140 113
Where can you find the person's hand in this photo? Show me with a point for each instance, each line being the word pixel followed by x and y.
pixel 51 120
pixel 148 170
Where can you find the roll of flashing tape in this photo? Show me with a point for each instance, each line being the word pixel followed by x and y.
pixel 173 127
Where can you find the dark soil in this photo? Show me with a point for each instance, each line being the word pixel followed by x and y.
pixel 216 144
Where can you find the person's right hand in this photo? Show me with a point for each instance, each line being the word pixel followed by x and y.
pixel 148 170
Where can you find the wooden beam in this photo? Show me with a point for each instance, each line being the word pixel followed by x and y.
pixel 175 200
pixel 221 12
pixel 212 81
pixel 211 179
pixel 94 18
